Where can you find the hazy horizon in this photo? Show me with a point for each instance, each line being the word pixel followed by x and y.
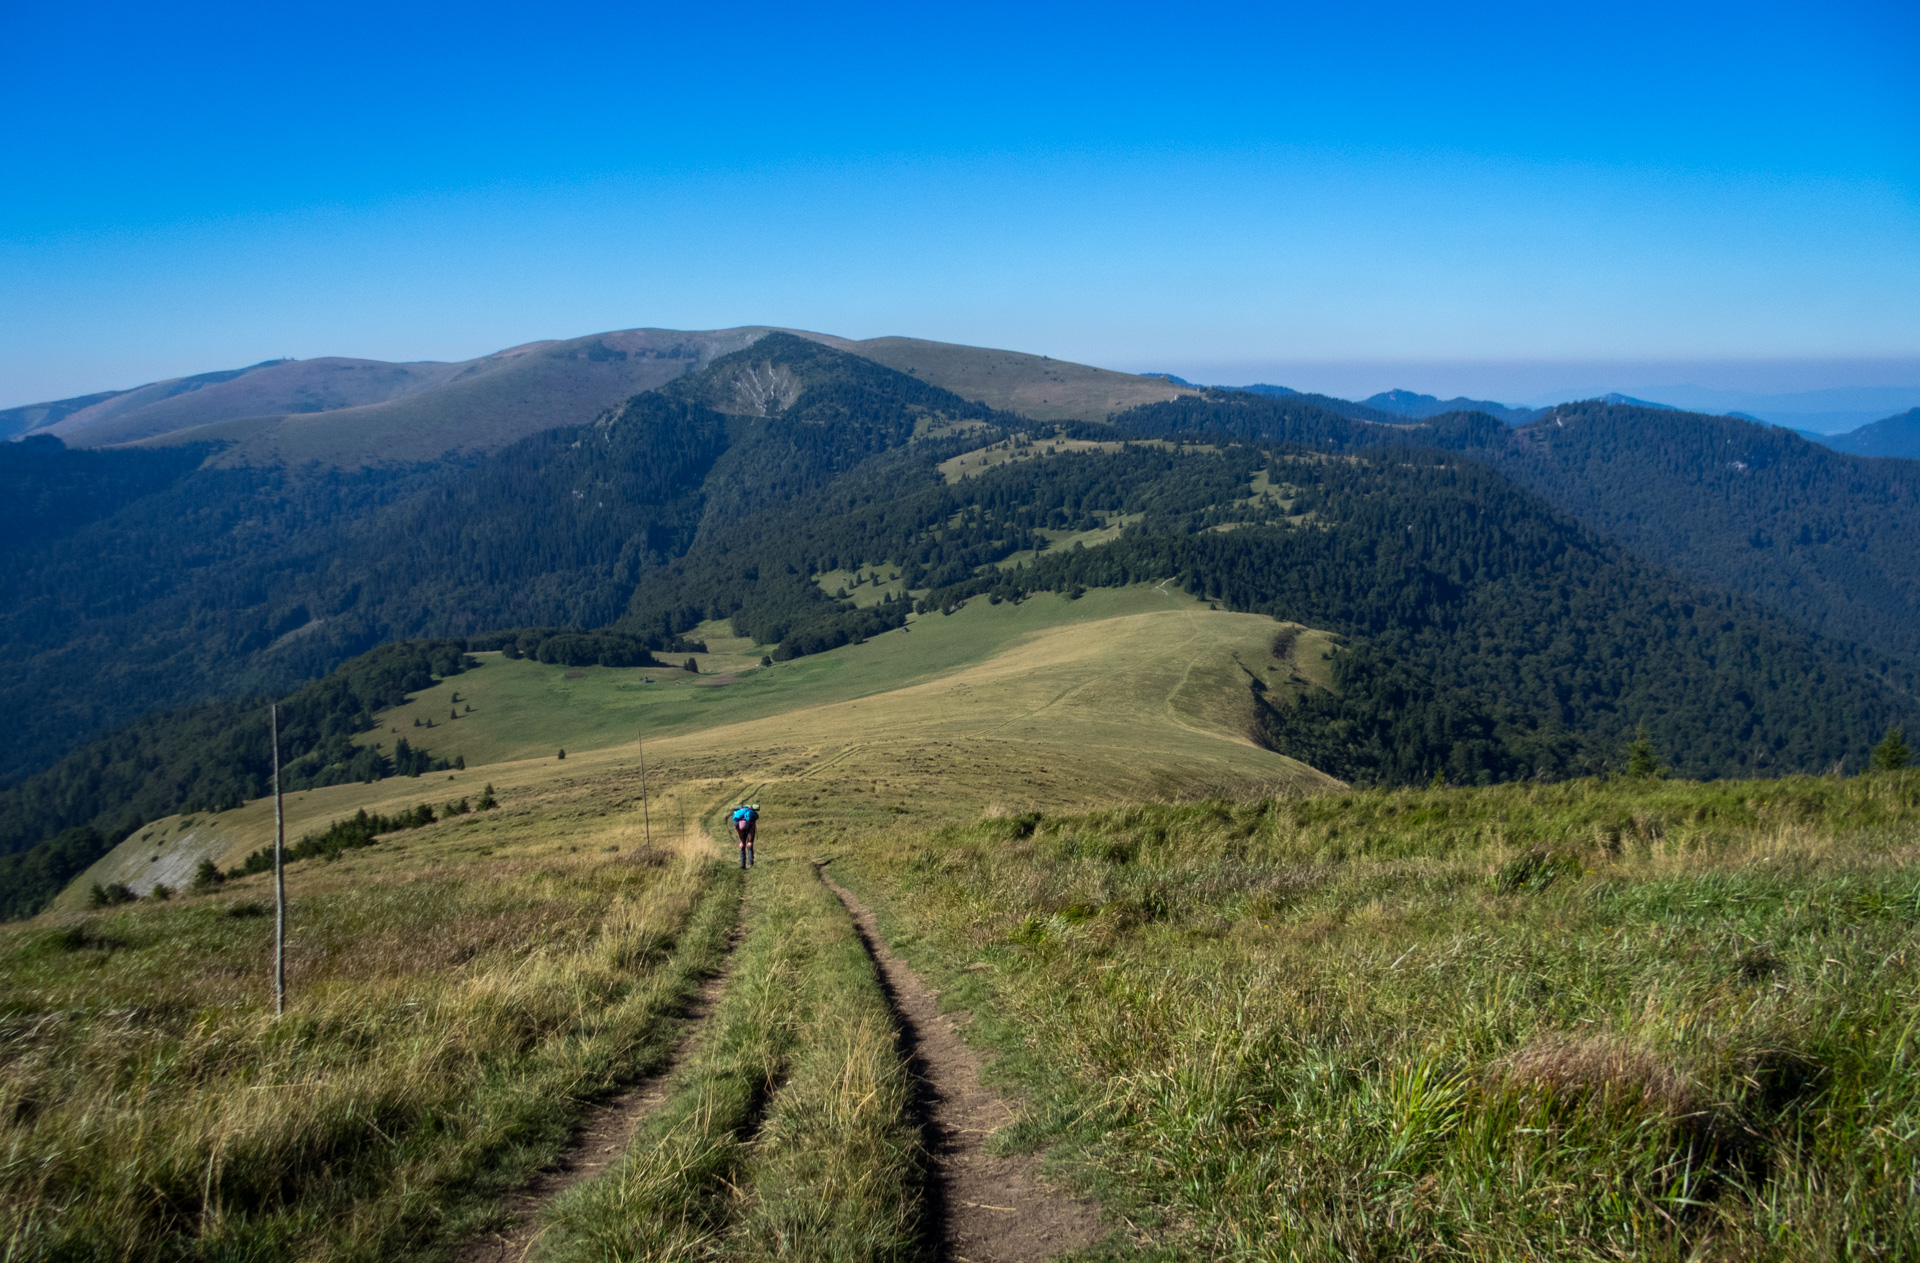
pixel 1825 396
pixel 1622 183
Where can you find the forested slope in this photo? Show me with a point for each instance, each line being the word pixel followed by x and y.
pixel 1827 539
pixel 1895 436
pixel 221 581
pixel 1495 637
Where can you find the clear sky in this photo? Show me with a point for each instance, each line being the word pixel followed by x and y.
pixel 1214 190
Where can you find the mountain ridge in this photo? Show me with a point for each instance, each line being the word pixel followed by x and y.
pixel 1897 436
pixel 350 412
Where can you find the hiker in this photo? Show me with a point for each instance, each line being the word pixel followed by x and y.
pixel 745 818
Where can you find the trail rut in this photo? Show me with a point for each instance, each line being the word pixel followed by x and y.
pixel 990 1209
pixel 604 1135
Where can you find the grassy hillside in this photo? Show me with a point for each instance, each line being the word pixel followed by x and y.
pixel 1626 1020
pixel 33 416
pixel 488 404
pixel 348 412
pixel 1492 638
pixel 1655 1019
pixel 276 387
pixel 1013 381
pixel 1059 702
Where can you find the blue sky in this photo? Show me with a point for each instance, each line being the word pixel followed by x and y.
pixel 1481 199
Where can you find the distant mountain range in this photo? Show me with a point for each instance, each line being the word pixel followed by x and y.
pixel 347 413
pixel 1892 436
pixel 1897 436
pixel 1834 410
pixel 1408 404
pixel 352 413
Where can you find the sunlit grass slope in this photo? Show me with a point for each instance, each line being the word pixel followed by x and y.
pixel 1135 692
pixel 524 709
pixel 1032 385
pixel 1579 1021
pixel 457 993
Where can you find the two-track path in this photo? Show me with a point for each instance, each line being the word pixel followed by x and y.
pixel 987 1208
pixel 984 1208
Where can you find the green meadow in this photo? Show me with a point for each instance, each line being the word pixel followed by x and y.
pixel 524 709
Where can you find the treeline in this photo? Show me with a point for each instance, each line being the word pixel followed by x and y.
pixel 30 879
pixel 362 829
pixel 212 756
pixel 202 588
pixel 899 510
pixel 48 492
pixel 217 755
pixel 571 647
pixel 1493 637
pixel 1234 414
pixel 1822 538
pixel 235 582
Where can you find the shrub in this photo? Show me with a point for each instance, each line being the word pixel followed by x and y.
pixel 207 876
pixel 109 895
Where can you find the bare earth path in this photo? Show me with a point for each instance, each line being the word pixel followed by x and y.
pixel 604 1135
pixel 991 1209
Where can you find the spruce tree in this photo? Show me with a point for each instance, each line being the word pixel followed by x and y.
pixel 1892 754
pixel 1643 764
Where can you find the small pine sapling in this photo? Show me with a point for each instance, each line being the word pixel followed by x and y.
pixel 1892 754
pixel 206 877
pixel 1643 762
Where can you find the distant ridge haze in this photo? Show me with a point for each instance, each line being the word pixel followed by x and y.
pixel 350 411
pixel 344 411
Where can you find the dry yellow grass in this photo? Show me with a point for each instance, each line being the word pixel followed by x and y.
pixel 1152 704
pixel 454 994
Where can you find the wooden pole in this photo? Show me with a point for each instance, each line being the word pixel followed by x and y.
pixel 279 875
pixel 646 817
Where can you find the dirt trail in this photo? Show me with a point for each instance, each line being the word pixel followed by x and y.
pixel 989 1209
pixel 604 1135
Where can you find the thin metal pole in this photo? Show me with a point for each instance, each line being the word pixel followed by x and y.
pixel 279 876
pixel 646 816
